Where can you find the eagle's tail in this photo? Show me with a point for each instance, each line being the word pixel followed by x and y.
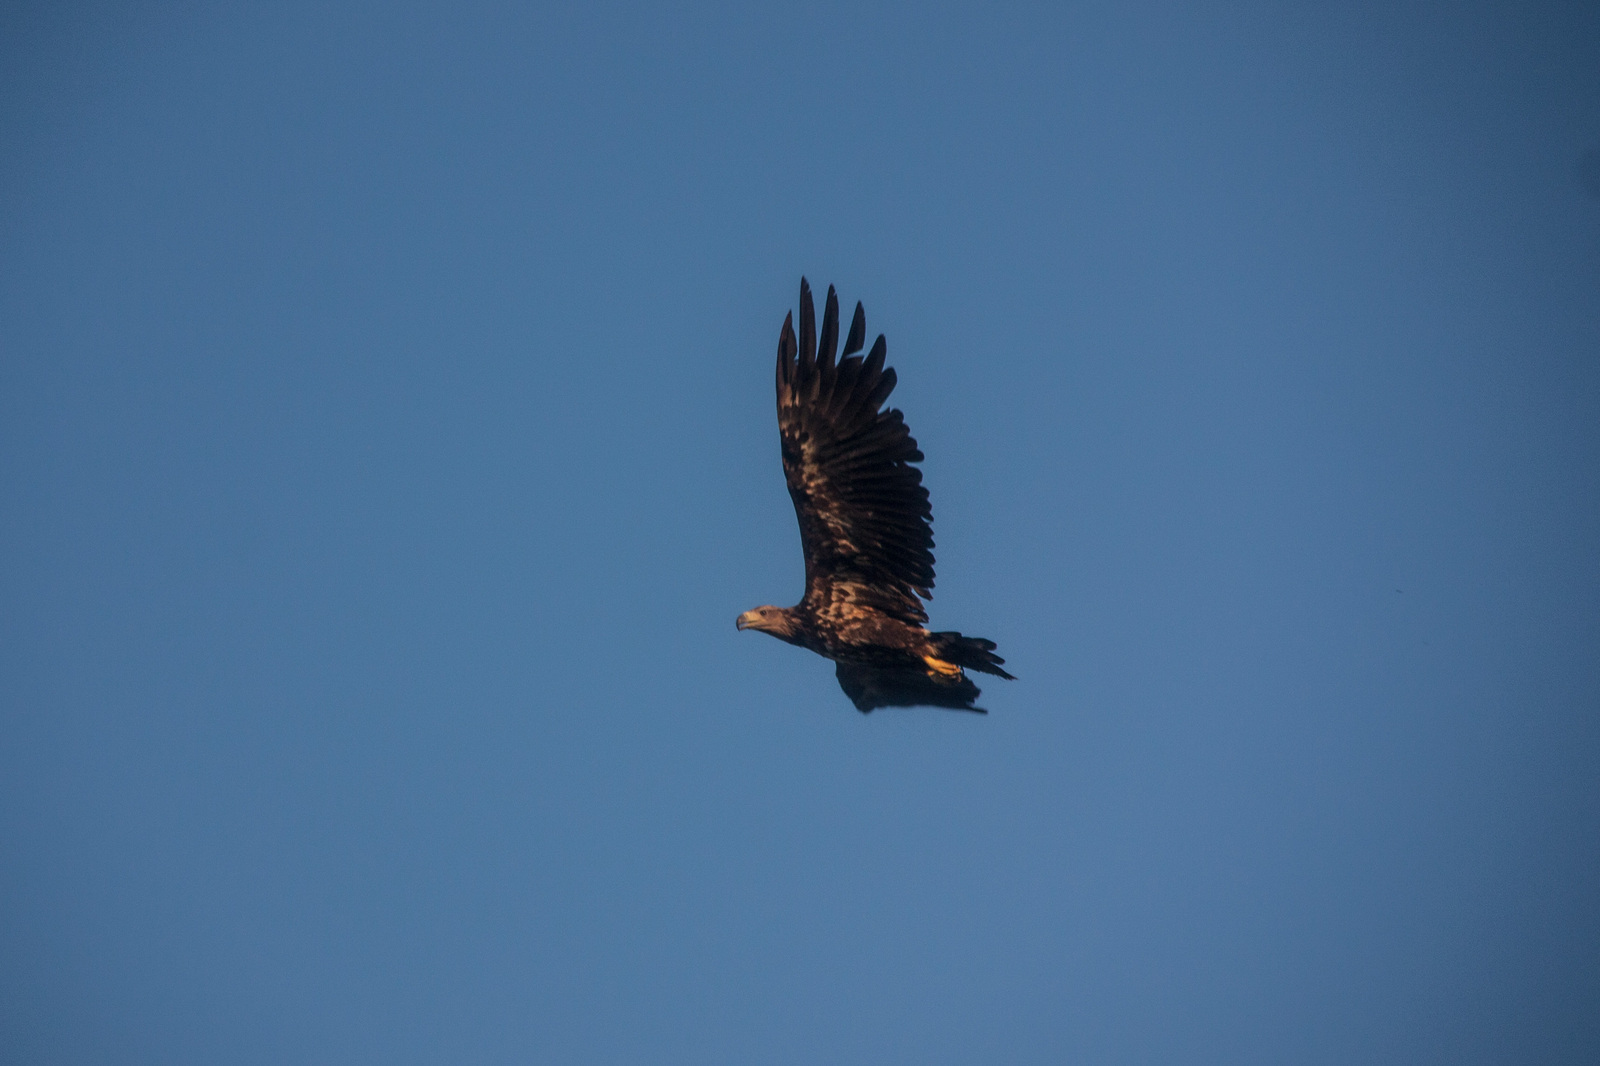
pixel 974 653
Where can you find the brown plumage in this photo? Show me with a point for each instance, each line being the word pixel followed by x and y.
pixel 865 526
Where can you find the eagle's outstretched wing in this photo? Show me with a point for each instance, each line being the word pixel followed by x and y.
pixel 864 515
pixel 870 687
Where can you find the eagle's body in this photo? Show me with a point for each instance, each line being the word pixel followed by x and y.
pixel 865 526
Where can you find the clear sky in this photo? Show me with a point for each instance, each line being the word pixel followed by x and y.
pixel 387 445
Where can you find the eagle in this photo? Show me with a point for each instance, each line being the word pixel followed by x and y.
pixel 865 526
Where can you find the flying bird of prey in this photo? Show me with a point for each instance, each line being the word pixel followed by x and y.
pixel 865 526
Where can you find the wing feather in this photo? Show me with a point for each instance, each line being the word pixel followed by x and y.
pixel 829 340
pixel 865 520
pixel 858 331
pixel 871 687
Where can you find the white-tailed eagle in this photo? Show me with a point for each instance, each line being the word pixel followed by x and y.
pixel 865 526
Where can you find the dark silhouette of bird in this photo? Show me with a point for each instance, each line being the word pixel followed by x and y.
pixel 865 526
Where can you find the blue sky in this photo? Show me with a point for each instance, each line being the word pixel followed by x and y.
pixel 387 446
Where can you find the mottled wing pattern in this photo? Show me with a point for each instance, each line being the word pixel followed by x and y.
pixel 864 514
pixel 870 687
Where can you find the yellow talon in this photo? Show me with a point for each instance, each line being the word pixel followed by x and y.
pixel 940 667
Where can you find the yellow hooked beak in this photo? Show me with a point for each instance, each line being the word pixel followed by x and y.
pixel 746 620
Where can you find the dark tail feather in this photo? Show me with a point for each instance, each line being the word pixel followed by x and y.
pixel 973 653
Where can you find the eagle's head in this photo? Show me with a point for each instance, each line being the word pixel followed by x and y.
pixel 769 619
